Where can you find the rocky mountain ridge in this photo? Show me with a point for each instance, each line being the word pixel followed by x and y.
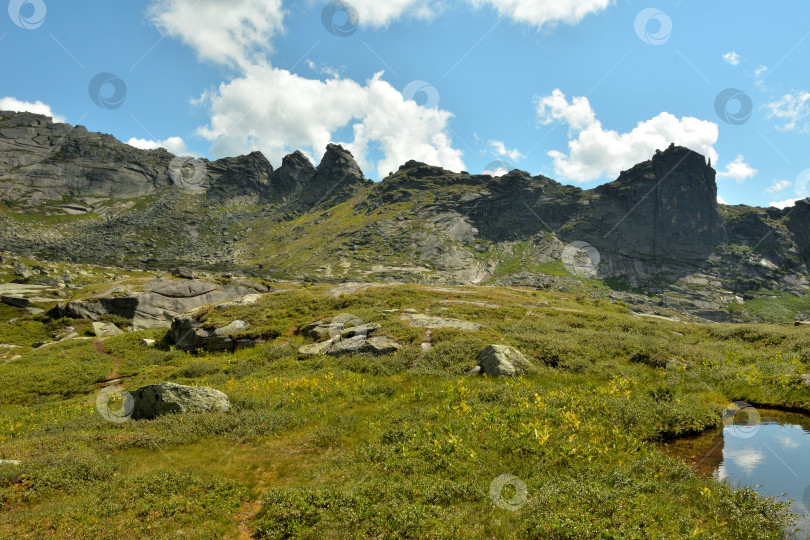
pixel 655 235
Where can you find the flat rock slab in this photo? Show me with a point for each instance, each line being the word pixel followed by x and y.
pixel 155 400
pixel 376 346
pixel 427 321
pixel 12 289
pixel 344 326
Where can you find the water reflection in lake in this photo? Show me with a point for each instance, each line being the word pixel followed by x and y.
pixel 770 453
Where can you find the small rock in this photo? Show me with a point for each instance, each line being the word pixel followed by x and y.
pixel 475 371
pixel 677 363
pixel 102 329
pixel 34 311
pixel 183 273
pixel 502 361
pixel 10 462
pixel 15 300
pixel 148 342
pixel 155 400
pixel 801 323
pixel 13 358
pixel 805 380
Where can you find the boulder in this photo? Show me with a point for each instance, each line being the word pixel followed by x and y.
pixel 20 270
pixel 15 301
pixel 183 273
pixel 188 334
pixel 155 400
pixel 161 302
pixel 502 361
pixel 805 380
pixel 102 329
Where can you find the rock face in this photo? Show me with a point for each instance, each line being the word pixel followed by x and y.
pixel 502 361
pixel 160 304
pixel 158 399
pixel 186 333
pixel 657 228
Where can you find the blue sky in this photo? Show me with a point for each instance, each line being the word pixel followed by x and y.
pixel 576 90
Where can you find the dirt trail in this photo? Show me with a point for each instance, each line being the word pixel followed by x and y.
pixel 113 377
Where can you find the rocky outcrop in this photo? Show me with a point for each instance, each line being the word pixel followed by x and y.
pixel 427 321
pixel 162 301
pixel 188 334
pixel 155 400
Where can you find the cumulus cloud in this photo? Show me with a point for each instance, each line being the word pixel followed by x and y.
pixel 501 150
pixel 595 152
pixel 37 107
pixel 720 200
pixel 778 185
pixel 175 145
pixel 732 58
pixel 272 110
pixel 785 204
pixel 792 109
pixel 239 32
pixel 539 13
pixel 738 170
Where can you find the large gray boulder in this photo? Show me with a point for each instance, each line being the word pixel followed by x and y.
pixel 155 400
pixel 502 361
pixel 344 326
pixel 161 302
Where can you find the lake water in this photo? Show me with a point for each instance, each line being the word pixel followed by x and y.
pixel 767 450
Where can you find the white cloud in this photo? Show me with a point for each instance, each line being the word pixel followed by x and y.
pixel 323 69
pixel 732 58
pixel 784 204
pixel 37 107
pixel 538 13
pixel 760 71
pixel 595 152
pixel 271 110
pixel 175 145
pixel 501 150
pixel 720 200
pixel 738 170
pixel 747 458
pixel 791 108
pixel 238 32
pixel 380 14
pixel 778 185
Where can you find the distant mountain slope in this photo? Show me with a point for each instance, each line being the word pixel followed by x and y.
pixel 69 194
